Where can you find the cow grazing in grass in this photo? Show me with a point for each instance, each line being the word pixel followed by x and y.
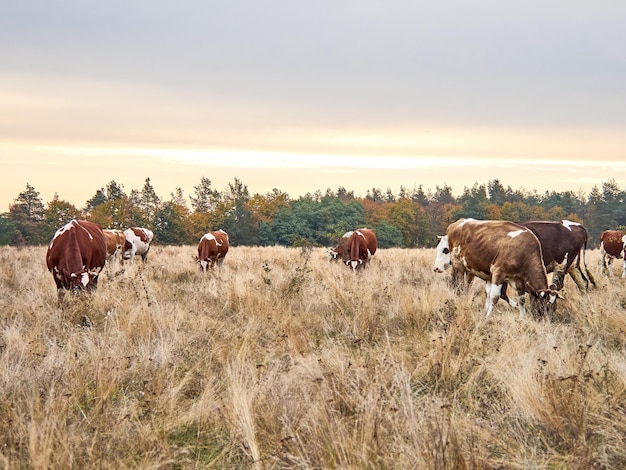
pixel 340 252
pixel 612 245
pixel 115 241
pixel 360 247
pixel 75 256
pixel 500 253
pixel 137 243
pixel 563 246
pixel 212 249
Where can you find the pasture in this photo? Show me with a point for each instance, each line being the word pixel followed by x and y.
pixel 282 360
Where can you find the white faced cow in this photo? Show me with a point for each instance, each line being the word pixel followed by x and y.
pixel 137 243
pixel 500 253
pixel 212 249
pixel 563 246
pixel 360 247
pixel 612 245
pixel 75 256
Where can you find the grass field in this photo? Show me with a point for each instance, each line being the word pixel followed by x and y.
pixel 283 360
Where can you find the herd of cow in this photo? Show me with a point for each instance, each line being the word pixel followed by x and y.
pixel 499 252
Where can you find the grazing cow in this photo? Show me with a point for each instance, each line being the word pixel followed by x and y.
pixel 500 253
pixel 212 249
pixel 340 251
pixel 75 256
pixel 612 245
pixel 115 241
pixel 137 243
pixel 361 246
pixel 563 246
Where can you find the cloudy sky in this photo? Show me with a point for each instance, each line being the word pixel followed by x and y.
pixel 302 96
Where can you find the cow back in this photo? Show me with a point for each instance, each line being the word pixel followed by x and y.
pixel 558 240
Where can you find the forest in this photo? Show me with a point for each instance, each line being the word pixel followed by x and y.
pixel 409 218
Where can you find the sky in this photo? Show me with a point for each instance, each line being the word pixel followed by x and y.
pixel 302 96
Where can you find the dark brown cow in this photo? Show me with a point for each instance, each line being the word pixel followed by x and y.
pixel 361 246
pixel 76 255
pixel 500 253
pixel 212 249
pixel 612 245
pixel 115 241
pixel 563 246
pixel 138 241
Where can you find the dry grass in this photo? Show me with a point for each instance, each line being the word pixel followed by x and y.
pixel 280 360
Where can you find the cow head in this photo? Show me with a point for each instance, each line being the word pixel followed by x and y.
pixel 443 260
pixel 332 254
pixel 355 264
pixel 78 281
pixel 543 301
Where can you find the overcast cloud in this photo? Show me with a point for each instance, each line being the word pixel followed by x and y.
pixel 201 72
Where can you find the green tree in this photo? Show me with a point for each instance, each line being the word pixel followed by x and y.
pixel 388 235
pixel 239 222
pixel 27 214
pixel 170 226
pixel 8 231
pixel 206 198
pixel 57 214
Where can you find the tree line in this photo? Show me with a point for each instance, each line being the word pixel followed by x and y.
pixel 409 218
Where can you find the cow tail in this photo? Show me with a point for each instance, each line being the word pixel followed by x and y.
pixel 584 260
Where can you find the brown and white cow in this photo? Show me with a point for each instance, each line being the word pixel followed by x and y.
pixel 115 241
pixel 563 246
pixel 500 253
pixel 612 245
pixel 75 256
pixel 360 247
pixel 340 251
pixel 138 241
pixel 212 249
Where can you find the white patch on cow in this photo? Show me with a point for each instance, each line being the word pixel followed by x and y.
pixel 204 264
pixel 354 264
pixel 363 236
pixel 209 236
pixel 466 221
pixel 493 294
pixel 568 224
pixel 84 279
pixel 516 233
pixel 348 234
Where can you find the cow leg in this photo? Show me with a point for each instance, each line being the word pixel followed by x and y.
pixel 493 295
pixel 577 276
pixel 505 297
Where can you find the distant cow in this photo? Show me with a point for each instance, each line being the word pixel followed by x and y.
pixel 612 245
pixel 340 251
pixel 563 246
pixel 212 249
pixel 76 255
pixel 137 243
pixel 115 241
pixel 360 247
pixel 500 253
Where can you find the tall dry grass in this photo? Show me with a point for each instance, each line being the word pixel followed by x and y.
pixel 282 360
